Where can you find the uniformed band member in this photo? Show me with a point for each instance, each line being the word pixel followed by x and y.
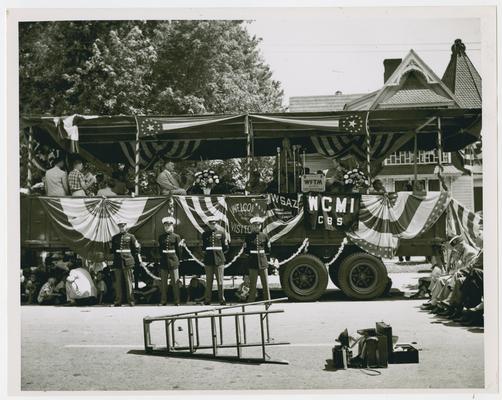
pixel 257 245
pixel 126 254
pixel 214 244
pixel 169 248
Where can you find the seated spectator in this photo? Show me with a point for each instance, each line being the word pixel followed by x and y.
pixel 150 293
pixel 80 287
pixel 242 292
pixel 334 178
pixel 31 288
pixel 48 294
pixel 226 185
pixel 168 181
pixel 378 187
pixel 100 287
pixel 77 181
pixel 107 191
pixel 196 290
pixel 56 180
pixel 119 185
pixel 461 286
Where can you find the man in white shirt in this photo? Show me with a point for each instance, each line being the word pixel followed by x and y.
pixel 168 182
pixel 56 180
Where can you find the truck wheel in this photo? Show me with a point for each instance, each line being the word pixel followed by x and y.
pixel 362 276
pixel 304 278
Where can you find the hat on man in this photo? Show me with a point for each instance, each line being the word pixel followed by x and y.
pixel 168 220
pixel 256 220
pixel 121 222
pixel 213 218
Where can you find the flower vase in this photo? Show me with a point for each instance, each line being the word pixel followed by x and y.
pixel 207 191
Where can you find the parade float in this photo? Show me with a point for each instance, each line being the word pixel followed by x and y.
pixel 315 235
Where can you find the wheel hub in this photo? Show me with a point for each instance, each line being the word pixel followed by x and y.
pixel 304 279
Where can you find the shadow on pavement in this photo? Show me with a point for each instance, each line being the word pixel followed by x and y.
pixel 199 356
pixel 438 319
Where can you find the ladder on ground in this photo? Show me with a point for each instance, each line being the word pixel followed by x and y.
pixel 216 316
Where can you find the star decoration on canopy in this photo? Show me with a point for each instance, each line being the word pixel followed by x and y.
pixel 149 126
pixel 352 123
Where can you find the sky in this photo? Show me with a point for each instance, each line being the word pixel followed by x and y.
pixel 321 56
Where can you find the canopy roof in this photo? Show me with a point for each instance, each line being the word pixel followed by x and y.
pixel 112 138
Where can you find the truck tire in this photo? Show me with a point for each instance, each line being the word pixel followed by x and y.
pixel 362 276
pixel 304 278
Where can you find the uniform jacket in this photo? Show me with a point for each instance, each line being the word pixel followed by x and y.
pixel 214 244
pixel 257 245
pixel 169 250
pixel 125 249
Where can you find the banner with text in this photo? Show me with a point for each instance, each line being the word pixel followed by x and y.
pixel 331 212
pixel 240 209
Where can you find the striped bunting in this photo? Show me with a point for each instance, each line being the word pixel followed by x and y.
pixel 151 151
pixel 383 221
pixel 86 225
pixel 274 225
pixel 199 208
pixel 340 146
pixel 461 221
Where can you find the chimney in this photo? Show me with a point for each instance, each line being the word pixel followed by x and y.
pixel 389 66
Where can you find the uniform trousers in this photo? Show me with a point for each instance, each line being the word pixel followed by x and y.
pixel 123 276
pixel 253 278
pixel 174 276
pixel 218 271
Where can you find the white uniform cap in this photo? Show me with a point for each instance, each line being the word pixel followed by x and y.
pixel 213 218
pixel 168 220
pixel 121 222
pixel 256 220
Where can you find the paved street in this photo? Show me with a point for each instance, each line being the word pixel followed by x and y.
pixel 101 348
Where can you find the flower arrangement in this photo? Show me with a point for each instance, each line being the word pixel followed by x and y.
pixel 206 179
pixel 356 179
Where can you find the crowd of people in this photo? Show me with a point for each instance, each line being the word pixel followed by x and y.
pixel 455 287
pixel 66 280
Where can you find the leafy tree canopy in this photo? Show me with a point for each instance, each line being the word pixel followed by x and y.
pixel 143 67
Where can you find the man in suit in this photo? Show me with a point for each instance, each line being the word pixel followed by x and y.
pixel 168 181
pixel 257 245
pixel 126 254
pixel 214 245
pixel 169 248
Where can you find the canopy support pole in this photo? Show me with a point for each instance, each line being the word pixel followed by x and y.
pixel 440 146
pixel 247 132
pixel 278 170
pixel 368 152
pixel 415 158
pixel 29 177
pixel 294 168
pixel 136 163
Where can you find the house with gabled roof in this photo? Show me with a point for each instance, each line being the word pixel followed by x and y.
pixel 411 83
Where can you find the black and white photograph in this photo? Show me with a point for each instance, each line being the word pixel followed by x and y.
pixel 278 200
